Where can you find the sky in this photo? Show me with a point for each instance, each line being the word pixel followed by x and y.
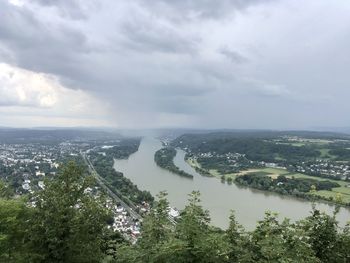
pixel 267 64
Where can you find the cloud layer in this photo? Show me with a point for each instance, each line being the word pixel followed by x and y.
pixel 230 63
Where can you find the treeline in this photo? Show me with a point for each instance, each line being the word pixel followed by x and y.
pixel 62 223
pixel 165 158
pixel 66 223
pixel 104 165
pixel 299 187
pixel 124 148
pixel 223 165
pixel 44 136
pixel 202 171
pixel 255 149
pixel 341 153
pixel 317 238
pixel 117 181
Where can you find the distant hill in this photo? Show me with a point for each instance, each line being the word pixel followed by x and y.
pixel 14 135
pixel 263 134
pixel 334 129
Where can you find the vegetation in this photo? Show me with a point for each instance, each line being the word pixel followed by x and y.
pixel 69 224
pixel 257 146
pixel 44 136
pixel 317 238
pixel 165 159
pixel 124 148
pixel 221 164
pixel 66 223
pixel 299 187
pixel 341 153
pixel 277 147
pixel 306 158
pixel 115 180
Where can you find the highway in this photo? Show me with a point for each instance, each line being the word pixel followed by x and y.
pixel 130 208
pixel 100 181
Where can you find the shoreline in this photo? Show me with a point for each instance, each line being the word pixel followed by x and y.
pixel 230 178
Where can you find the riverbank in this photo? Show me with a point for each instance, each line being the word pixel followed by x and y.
pixel 164 158
pixel 219 199
pixel 337 195
pixel 211 173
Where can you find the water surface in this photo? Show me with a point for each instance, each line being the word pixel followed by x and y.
pixel 249 205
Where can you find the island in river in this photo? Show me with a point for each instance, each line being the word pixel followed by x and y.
pixel 308 165
pixel 249 204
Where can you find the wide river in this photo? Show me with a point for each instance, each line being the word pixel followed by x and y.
pixel 249 205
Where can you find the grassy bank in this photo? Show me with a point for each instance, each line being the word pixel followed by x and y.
pixel 343 191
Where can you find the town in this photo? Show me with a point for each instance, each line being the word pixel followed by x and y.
pixel 237 162
pixel 25 167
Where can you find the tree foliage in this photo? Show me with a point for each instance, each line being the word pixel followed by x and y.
pixel 165 158
pixel 68 224
pixel 313 240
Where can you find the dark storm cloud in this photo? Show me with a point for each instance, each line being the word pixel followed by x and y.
pixel 72 9
pixel 233 56
pixel 145 37
pixel 59 49
pixel 199 9
pixel 197 59
pixel 50 48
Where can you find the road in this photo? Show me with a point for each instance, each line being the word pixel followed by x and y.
pixel 112 194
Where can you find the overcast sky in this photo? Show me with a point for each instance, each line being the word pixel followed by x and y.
pixel 280 64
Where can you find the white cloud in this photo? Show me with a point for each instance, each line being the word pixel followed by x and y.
pixel 36 96
pixel 20 87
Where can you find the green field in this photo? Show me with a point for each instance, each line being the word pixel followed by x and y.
pixel 325 153
pixel 274 171
pixel 213 172
pixel 298 144
pixel 334 195
pixel 304 142
pixel 344 190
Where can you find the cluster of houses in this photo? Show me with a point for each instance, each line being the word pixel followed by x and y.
pixel 318 167
pixel 126 224
pixel 325 168
pixel 232 161
pixel 29 163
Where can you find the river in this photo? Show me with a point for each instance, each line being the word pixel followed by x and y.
pixel 249 205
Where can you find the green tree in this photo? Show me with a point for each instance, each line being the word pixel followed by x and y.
pixel 272 241
pixel 322 232
pixel 156 226
pixel 68 222
pixel 5 190
pixel 156 230
pixel 13 218
pixel 156 233
pixel 237 240
pixel 200 243
pixel 191 240
pixel 341 251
